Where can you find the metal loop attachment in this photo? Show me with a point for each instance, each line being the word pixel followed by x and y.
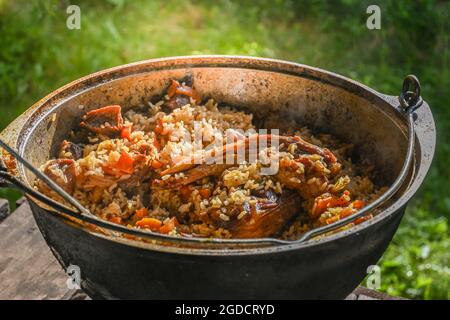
pixel 410 98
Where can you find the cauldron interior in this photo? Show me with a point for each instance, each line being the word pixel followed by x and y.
pixel 341 109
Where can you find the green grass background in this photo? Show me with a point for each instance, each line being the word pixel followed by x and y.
pixel 39 54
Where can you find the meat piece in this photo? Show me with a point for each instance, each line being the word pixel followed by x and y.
pixel 126 181
pixel 62 172
pixel 134 185
pixel 245 143
pixel 266 218
pixel 177 101
pixel 220 152
pixel 301 174
pixel 95 180
pixel 107 120
pixel 70 150
pixel 180 95
pixel 308 177
pixel 192 175
pixel 310 148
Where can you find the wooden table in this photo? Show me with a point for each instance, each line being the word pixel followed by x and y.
pixel 28 269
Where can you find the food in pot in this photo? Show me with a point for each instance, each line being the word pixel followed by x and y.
pixel 171 167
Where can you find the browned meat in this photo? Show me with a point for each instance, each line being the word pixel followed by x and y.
pixel 127 181
pixel 70 150
pixel 245 143
pixel 303 175
pixel 266 218
pixel 133 184
pixel 180 95
pixel 107 120
pixel 309 148
pixel 192 175
pixel 62 171
pixel 308 177
pixel 177 101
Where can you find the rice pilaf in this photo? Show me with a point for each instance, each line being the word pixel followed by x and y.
pixel 135 168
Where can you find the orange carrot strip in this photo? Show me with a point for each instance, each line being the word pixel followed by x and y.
pixel 362 219
pixel 117 220
pixel 358 204
pixel 169 226
pixel 173 88
pixel 126 132
pixel 149 223
pixel 125 162
pixel 332 219
pixel 321 205
pixel 346 212
pixel 141 213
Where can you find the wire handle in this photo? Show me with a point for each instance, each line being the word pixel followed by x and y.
pixel 54 186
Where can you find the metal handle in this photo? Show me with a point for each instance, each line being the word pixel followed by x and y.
pixel 53 185
pixel 8 180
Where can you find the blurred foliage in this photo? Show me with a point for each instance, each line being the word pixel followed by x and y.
pixel 40 54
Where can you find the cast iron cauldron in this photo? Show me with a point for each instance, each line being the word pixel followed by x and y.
pixel 116 266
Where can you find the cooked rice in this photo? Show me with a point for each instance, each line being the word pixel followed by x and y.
pixel 167 138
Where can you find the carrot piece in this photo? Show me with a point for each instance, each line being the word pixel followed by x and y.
pixel 362 219
pixel 117 220
pixel 169 225
pixel 346 212
pixel 205 193
pixel 126 132
pixel 159 128
pixel 332 219
pixel 358 204
pixel 173 88
pixel 141 213
pixel 156 164
pixel 321 205
pixel 149 223
pixel 188 91
pixel 125 162
pixel 342 201
pixel 176 88
pixel 156 144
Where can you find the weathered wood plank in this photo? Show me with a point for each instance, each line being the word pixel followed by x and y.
pixel 20 201
pixel 4 209
pixel 362 293
pixel 28 269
